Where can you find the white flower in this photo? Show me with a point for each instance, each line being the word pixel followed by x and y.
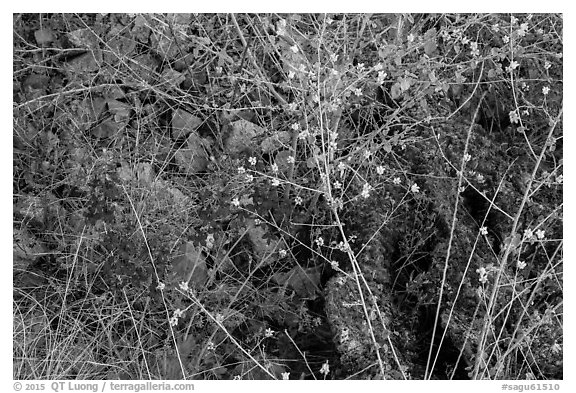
pixel 252 160
pixel 236 202
pixel 415 188
pixel 514 117
pixel 467 157
pixel 337 185
pixel 480 178
pixel 545 90
pixel 298 200
pixel 161 286
pixel 396 180
pixel 523 29
pixel 295 126
pixel 521 265
pixel 294 48
pixel 380 170
pixel 540 233
pixel 173 321
pixel 381 77
pixel 334 265
pixel 285 376
pixel 269 333
pixel 325 369
pixel 358 92
pixel 237 378
pixel 319 242
pixel 513 65
pixel 366 190
pixel 184 286
pixel 484 231
pixel 528 234
pixel 367 154
pixel 249 177
pixel 483 275
pixel 274 168
pixel 275 182
pixel 506 39
pixel 210 346
pixel 241 170
pixel 282 253
pixel 513 20
pixel 292 106
pixel 547 65
pixel 378 67
pixel 333 57
pixel 291 74
pixel 178 313
pixel 210 241
pixel 411 37
pixel 219 318
pixel 291 159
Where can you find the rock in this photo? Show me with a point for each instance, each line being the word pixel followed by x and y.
pixel 275 142
pixel 192 157
pixel 184 123
pixel 44 36
pixel 241 136
pixel 190 266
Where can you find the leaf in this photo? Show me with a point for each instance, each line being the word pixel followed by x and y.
pixel 396 91
pixel 44 36
pixel 190 265
pixel 304 282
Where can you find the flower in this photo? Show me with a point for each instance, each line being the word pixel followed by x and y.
pixel 381 77
pixel 184 286
pixel 545 90
pixel 366 190
pixel 275 182
pixel 483 275
pixel 291 159
pixel 378 67
pixel 380 170
pixel 367 154
pixel 282 253
pixel 506 39
pixel 319 242
pixel 547 65
pixel 178 313
pixel 161 286
pixel 415 188
pixel 274 168
pixel 325 369
pixel 484 231
pixel 521 265
pixel 295 126
pixel 333 57
pixel 237 378
pixel 173 321
pixel 337 185
pixel 467 157
pixel 210 346
pixel 236 202
pixel 291 74
pixel 513 65
pixel 249 177
pixel 514 117
pixel 285 376
pixel 358 92
pixel 540 234
pixel 298 200
pixel 210 241
pixel 269 333
pixel 252 160
pixel 396 180
pixel 294 48
pixel 334 265
pixel 241 170
pixel 411 37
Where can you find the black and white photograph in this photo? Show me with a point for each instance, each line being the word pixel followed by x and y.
pixel 287 196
